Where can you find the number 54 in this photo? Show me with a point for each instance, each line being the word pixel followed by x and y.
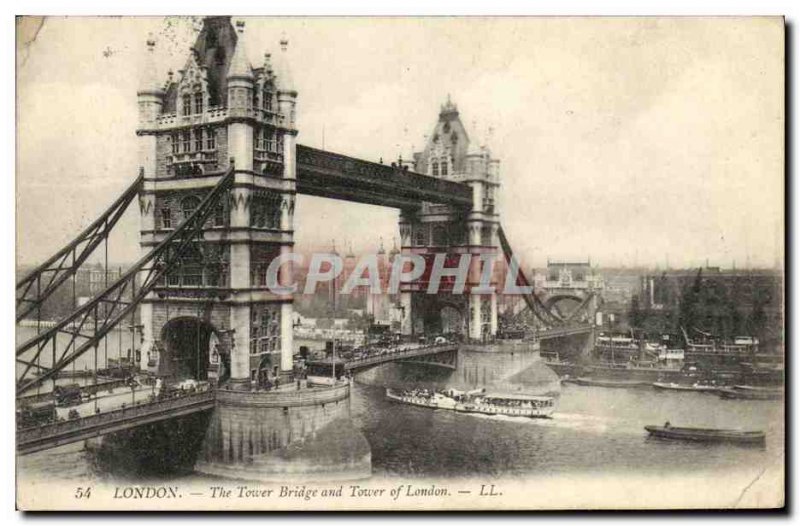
pixel 83 493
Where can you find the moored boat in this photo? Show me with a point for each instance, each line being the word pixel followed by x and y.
pixel 759 389
pixel 607 383
pixel 699 434
pixel 750 394
pixel 672 386
pixel 478 401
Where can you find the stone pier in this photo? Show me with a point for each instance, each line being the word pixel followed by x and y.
pixel 296 435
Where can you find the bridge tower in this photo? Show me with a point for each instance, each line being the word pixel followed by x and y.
pixel 219 113
pixel 441 229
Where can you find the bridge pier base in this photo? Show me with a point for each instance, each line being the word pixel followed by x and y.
pixel 282 435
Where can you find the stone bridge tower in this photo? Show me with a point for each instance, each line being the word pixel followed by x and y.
pixel 441 229
pixel 213 314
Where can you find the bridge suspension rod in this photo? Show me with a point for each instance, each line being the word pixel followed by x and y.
pixel 580 307
pixel 36 287
pixel 533 301
pixel 87 325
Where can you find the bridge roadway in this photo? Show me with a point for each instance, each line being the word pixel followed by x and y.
pixel 561 332
pixel 400 354
pixel 46 436
pixel 33 439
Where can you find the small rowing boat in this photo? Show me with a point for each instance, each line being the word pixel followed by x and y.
pixel 699 434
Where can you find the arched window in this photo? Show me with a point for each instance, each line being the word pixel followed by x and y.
pixel 188 205
pixel 444 166
pixel 435 168
pixel 187 104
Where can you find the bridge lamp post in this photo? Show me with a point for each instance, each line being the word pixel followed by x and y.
pixel 230 334
pixel 133 328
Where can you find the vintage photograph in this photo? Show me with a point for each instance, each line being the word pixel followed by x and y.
pixel 400 263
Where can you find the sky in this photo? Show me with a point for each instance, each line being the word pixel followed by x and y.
pixel 628 141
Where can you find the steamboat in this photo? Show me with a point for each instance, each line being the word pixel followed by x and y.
pixel 477 401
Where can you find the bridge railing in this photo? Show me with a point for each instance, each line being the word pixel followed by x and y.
pixel 29 434
pixel 397 354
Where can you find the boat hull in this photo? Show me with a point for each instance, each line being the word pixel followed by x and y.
pixel 679 387
pixel 607 383
pixel 740 394
pixel 707 435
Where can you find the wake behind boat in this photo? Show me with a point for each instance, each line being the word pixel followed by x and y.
pixel 698 434
pixel 477 401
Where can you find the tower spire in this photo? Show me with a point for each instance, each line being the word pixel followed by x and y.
pixel 285 80
pixel 148 80
pixel 240 66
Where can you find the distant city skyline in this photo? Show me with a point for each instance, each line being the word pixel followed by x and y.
pixel 629 143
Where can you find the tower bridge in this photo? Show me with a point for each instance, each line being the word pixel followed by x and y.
pixel 220 170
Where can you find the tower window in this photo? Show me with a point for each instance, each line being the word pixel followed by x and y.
pixel 211 139
pixel 198 102
pixel 267 98
pixel 187 104
pixel 166 218
pixel 219 215
pixel 186 142
pixel 420 241
pixel 189 205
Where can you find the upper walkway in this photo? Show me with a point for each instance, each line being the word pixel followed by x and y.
pixel 327 174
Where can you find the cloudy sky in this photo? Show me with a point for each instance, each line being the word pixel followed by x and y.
pixel 624 140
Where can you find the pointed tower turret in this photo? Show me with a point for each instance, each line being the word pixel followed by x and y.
pixel 150 92
pixel 240 105
pixel 240 65
pixel 283 69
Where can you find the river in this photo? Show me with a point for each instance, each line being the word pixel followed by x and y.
pixel 594 429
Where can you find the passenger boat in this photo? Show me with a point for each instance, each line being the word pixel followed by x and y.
pixel 698 434
pixel 672 386
pixel 607 383
pixel 478 401
pixel 751 394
